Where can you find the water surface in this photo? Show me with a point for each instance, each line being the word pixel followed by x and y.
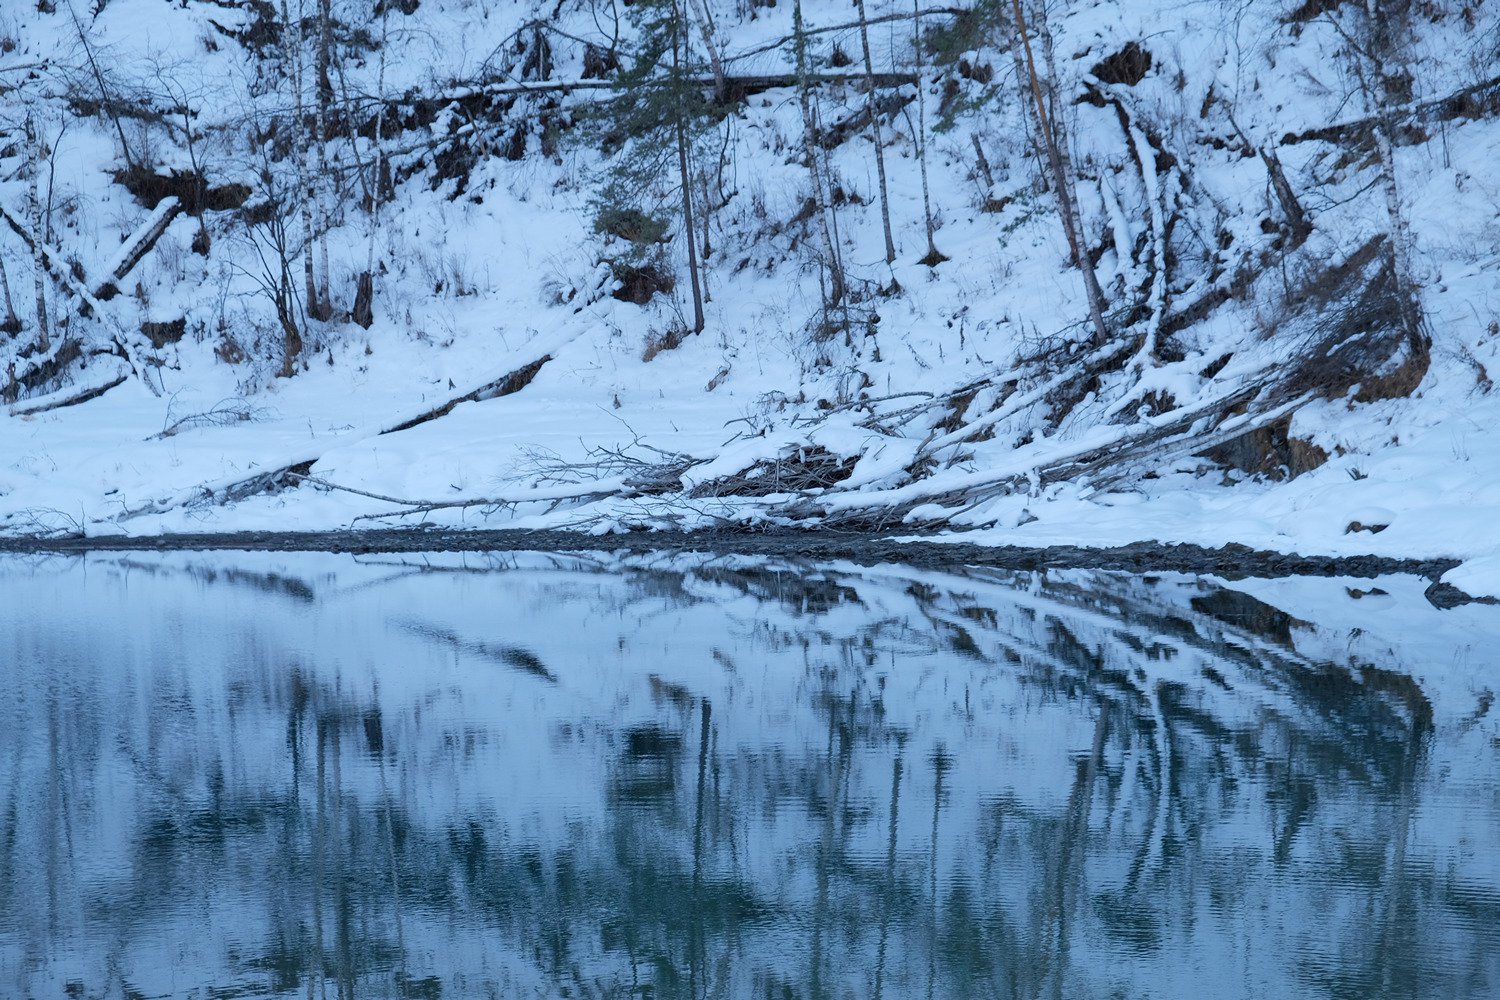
pixel 229 775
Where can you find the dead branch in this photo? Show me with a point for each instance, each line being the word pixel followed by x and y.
pixel 1097 462
pixel 784 41
pixel 223 414
pixel 598 491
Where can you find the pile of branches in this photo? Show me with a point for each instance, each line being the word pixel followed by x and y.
pixel 797 470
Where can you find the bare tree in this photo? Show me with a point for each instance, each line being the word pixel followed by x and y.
pixel 34 221
pixel 363 312
pixel 182 107
pixel 874 110
pixel 812 149
pixel 685 174
pixel 1054 142
pixel 325 98
pixel 106 103
pixel 1375 36
pixel 933 258
pixel 300 140
pixel 275 255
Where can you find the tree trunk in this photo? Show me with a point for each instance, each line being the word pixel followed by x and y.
pixel 721 88
pixel 982 162
pixel 364 293
pixel 1058 161
pixel 304 189
pixel 325 97
pixel 705 211
pixel 1033 123
pixel 811 147
pixel 1382 40
pixel 364 299
pixel 12 322
pixel 685 176
pixel 1373 48
pixel 291 343
pixel 933 258
pixel 34 221
pixel 885 197
pixel 1291 207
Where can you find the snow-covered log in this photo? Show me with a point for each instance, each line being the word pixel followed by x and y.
pixel 134 249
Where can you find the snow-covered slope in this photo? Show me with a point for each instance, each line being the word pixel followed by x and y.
pixel 969 393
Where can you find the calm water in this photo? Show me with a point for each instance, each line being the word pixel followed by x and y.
pixel 240 776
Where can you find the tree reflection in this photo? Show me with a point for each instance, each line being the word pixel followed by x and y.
pixel 993 785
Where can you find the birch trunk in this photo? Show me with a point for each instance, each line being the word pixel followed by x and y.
pixel 1374 82
pixel 685 176
pixel 700 16
pixel 12 323
pixel 299 132
pixel 34 221
pixel 325 96
pixel 933 258
pixel 885 197
pixel 811 147
pixel 1062 173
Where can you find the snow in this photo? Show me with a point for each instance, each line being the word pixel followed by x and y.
pixel 1477 577
pixel 475 283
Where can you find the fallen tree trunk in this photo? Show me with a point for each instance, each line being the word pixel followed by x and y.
pixel 292 470
pixel 1109 456
pixel 1480 100
pixel 62 271
pixel 513 381
pixel 595 490
pixel 73 395
pixel 134 249
pixel 751 83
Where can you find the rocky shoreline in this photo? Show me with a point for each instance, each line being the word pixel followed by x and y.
pixel 1231 561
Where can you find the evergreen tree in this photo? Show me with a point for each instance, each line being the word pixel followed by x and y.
pixel 651 133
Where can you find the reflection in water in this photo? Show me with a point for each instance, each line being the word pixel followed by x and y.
pixel 234 776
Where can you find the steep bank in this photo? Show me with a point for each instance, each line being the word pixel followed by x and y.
pixel 1288 212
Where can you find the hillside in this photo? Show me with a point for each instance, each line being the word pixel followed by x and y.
pixel 1191 271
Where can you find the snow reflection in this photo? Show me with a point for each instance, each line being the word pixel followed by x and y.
pixel 251 775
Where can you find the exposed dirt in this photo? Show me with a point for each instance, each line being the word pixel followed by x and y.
pixel 1231 561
